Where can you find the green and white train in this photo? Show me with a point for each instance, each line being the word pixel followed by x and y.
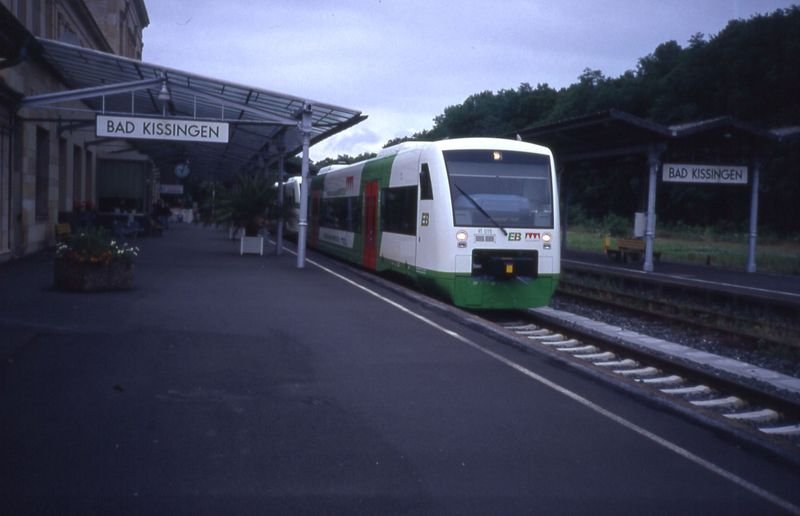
pixel 474 220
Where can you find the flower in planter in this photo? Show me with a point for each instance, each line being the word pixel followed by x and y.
pixel 93 261
pixel 95 246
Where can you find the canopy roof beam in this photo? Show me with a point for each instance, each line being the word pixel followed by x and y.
pixel 266 116
pixel 91 92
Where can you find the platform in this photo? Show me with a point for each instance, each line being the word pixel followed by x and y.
pixel 228 383
pixel 758 284
pixel 196 279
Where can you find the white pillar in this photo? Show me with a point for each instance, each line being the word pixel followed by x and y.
pixel 654 161
pixel 753 234
pixel 281 189
pixel 302 222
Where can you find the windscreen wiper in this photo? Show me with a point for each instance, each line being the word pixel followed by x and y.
pixel 480 209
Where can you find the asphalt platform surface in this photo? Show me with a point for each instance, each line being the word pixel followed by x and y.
pixel 228 384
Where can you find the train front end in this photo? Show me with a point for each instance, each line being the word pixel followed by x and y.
pixel 501 230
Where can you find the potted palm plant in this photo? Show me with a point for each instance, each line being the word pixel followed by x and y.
pixel 244 207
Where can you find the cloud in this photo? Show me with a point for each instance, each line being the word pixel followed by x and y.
pixel 372 134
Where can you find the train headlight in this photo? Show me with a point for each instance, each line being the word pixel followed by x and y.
pixel 461 238
pixel 546 239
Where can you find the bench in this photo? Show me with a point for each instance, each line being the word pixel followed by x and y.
pixel 629 249
pixel 63 230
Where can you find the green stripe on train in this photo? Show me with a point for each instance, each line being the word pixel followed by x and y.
pixel 474 292
pixel 464 290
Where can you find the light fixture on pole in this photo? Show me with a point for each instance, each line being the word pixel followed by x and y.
pixel 164 95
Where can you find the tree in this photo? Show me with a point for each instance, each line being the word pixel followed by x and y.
pixel 344 159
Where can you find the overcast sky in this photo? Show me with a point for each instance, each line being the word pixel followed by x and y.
pixel 402 62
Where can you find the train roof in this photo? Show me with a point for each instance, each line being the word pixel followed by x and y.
pixel 444 145
pixel 289 180
pixel 331 168
pixel 403 146
pixel 461 143
pixel 491 144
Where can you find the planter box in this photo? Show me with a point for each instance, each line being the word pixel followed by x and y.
pixel 251 244
pixel 86 277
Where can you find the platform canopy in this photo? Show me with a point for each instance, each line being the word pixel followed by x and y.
pixel 615 134
pixel 607 134
pixel 262 124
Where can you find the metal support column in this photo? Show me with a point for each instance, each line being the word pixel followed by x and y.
pixel 753 234
pixel 654 162
pixel 281 187
pixel 302 222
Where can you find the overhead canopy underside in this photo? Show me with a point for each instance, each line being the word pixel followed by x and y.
pixel 615 133
pixel 263 123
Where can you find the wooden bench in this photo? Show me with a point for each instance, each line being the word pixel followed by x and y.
pixel 63 230
pixel 630 249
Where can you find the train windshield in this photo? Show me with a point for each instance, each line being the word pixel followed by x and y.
pixel 500 188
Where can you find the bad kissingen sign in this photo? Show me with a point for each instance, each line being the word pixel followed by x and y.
pixel 713 174
pixel 162 129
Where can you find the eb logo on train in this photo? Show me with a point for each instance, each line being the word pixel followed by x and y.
pixel 518 237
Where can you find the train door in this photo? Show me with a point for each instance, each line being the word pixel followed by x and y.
pixel 426 234
pixel 370 256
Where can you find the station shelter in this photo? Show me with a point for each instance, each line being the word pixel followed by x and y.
pixel 721 152
pixel 142 126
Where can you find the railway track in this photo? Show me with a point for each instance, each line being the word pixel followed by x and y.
pixel 771 422
pixel 765 317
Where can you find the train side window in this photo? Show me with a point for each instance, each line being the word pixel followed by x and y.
pixel 399 210
pixel 425 188
pixel 341 213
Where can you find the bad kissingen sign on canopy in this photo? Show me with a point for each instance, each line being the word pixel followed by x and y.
pixel 162 129
pixel 710 174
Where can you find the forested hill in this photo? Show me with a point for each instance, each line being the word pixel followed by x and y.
pixel 750 70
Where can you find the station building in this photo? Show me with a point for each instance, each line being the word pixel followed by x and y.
pixel 71 84
pixel 46 168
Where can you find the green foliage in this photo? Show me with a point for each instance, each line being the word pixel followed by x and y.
pixel 396 141
pixel 611 224
pixel 617 226
pixel 245 203
pixel 493 114
pixel 344 159
pixel 699 245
